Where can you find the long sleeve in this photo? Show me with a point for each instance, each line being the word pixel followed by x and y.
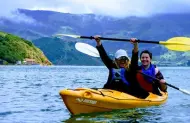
pixel 134 62
pixel 105 58
pixel 162 86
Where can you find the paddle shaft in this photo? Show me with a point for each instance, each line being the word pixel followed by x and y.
pixel 119 39
pixel 175 44
pixel 159 80
pixel 92 50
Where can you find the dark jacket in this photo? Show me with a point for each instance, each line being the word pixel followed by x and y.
pixel 162 87
pixel 133 88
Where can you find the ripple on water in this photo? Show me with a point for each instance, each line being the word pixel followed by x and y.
pixel 31 94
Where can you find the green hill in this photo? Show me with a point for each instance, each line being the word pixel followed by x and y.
pixel 14 48
pixel 63 52
pixel 173 58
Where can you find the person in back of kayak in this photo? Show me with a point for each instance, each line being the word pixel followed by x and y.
pixel 150 69
pixel 122 73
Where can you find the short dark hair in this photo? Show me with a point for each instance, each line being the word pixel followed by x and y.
pixel 148 52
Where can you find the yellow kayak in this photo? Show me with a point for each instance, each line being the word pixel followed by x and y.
pixel 86 100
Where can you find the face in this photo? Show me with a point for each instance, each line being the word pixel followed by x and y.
pixel 122 62
pixel 145 59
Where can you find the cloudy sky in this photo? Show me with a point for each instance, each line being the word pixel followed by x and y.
pixel 116 8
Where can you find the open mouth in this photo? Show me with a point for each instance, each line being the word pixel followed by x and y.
pixel 145 62
pixel 121 65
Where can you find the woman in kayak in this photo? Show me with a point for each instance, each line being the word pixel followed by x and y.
pixel 122 73
pixel 148 68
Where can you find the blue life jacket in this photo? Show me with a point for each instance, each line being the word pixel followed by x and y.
pixel 150 71
pixel 119 75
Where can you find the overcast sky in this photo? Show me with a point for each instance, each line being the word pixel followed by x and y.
pixel 116 8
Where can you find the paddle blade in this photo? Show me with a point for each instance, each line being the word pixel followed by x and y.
pixel 177 44
pixel 87 49
pixel 66 35
pixel 184 91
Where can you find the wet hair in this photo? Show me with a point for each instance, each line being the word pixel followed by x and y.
pixel 148 52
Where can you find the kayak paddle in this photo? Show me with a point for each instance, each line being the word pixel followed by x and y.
pixel 92 51
pixel 176 43
pixel 87 49
pixel 182 90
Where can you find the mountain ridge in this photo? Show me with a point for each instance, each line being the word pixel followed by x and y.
pixel 159 27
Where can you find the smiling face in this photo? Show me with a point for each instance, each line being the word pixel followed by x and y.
pixel 122 62
pixel 145 59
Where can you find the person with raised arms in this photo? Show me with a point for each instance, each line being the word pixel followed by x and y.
pixel 122 72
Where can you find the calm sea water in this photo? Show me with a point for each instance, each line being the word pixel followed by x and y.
pixel 30 94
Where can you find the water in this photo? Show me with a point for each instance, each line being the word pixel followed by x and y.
pixel 30 94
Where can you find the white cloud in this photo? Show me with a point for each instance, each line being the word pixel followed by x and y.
pixel 9 8
pixel 116 8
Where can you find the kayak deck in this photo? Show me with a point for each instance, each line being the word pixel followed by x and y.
pixel 86 100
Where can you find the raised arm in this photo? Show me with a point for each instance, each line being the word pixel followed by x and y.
pixel 134 59
pixel 103 55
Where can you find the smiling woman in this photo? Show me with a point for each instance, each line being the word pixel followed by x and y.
pixel 149 69
pixel 145 58
pixel 122 59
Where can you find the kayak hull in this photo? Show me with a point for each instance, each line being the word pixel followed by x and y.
pixel 86 100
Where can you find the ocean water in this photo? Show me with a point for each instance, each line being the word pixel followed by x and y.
pixel 30 94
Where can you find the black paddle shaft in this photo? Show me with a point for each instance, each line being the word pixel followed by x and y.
pixel 119 39
pixel 159 80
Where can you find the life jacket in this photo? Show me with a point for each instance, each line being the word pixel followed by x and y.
pixel 146 82
pixel 118 75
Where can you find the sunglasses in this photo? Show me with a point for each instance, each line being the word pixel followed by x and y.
pixel 124 58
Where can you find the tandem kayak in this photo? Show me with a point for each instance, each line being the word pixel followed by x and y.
pixel 86 100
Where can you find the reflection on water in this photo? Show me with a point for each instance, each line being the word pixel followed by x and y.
pixel 118 116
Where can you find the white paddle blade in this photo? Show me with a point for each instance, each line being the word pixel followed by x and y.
pixel 87 49
pixel 185 91
pixel 66 35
